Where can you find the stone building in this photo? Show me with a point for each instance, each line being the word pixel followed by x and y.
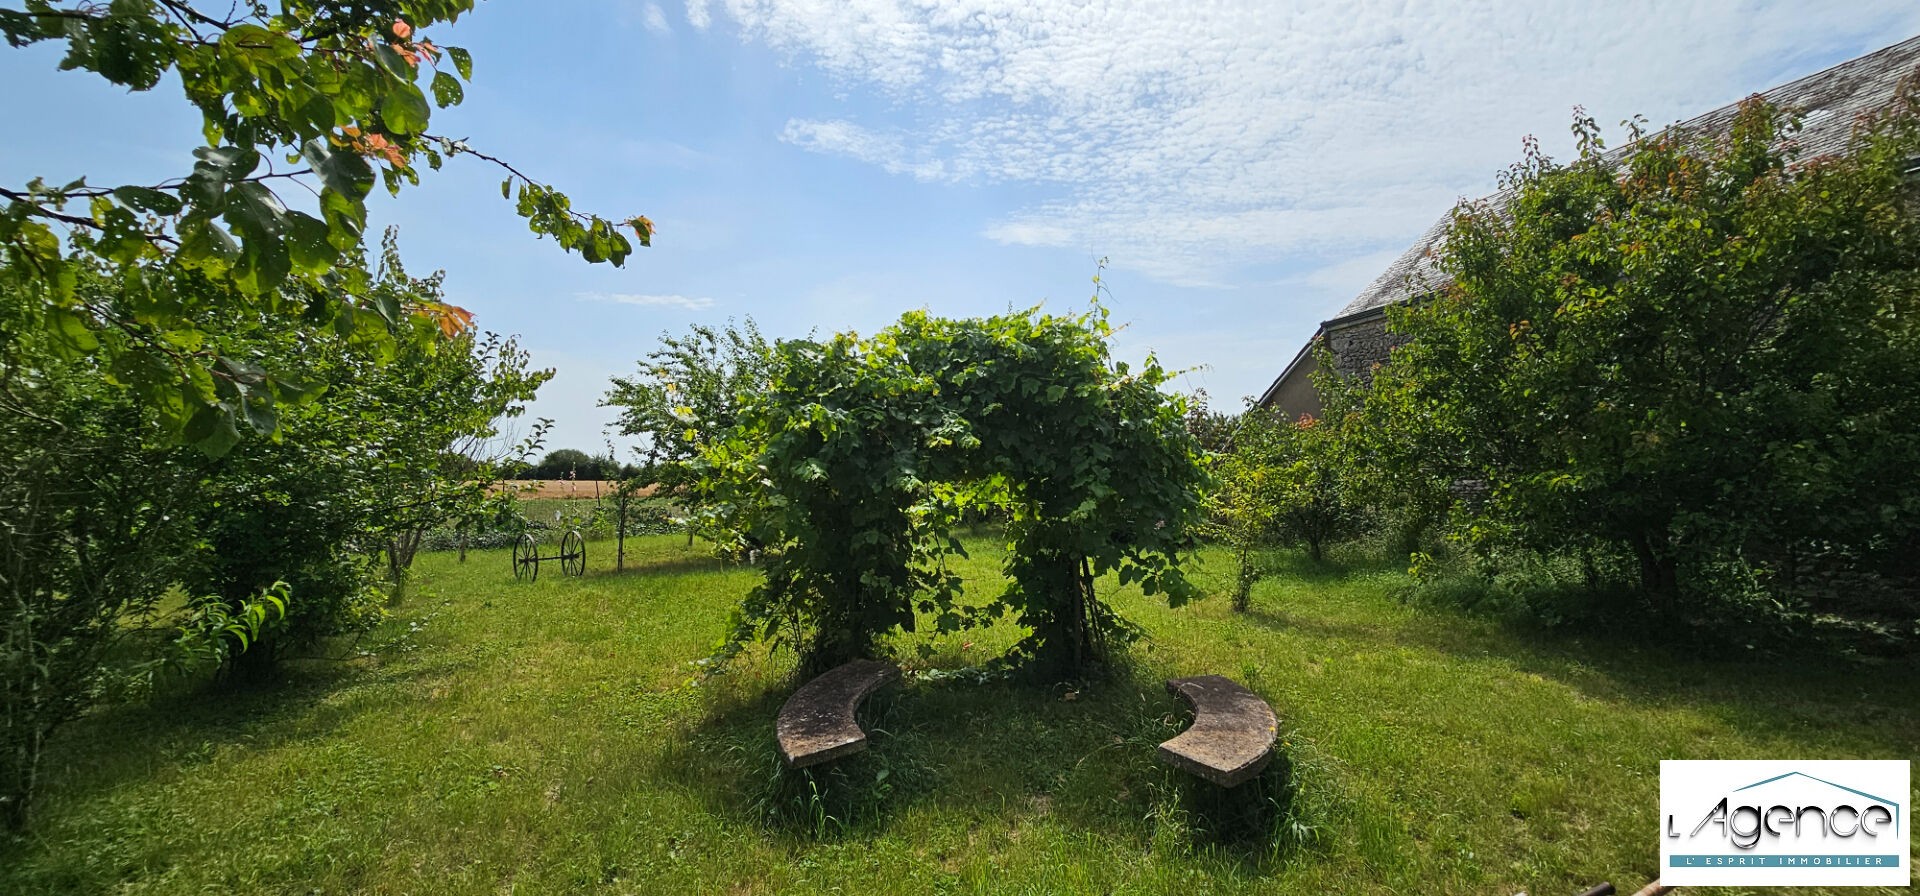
pixel 1357 337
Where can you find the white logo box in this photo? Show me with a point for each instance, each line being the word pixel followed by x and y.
pixel 1786 823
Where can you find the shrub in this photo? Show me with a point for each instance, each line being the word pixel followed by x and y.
pixel 1697 354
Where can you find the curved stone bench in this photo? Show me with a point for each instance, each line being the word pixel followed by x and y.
pixel 1231 738
pixel 816 723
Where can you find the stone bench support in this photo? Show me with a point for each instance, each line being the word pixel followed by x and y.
pixel 1231 738
pixel 816 724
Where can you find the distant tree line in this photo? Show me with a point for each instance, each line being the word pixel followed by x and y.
pixel 572 463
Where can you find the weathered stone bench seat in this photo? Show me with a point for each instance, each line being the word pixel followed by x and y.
pixel 816 723
pixel 1231 738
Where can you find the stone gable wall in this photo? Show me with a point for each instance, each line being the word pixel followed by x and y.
pixel 1361 345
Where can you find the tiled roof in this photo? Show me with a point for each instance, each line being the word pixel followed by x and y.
pixel 1830 102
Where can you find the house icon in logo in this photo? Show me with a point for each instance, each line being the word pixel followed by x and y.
pixel 1893 805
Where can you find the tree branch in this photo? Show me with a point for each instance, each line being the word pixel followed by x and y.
pixel 174 183
pixel 44 212
pixel 186 11
pixel 64 14
pixel 460 147
pixel 187 23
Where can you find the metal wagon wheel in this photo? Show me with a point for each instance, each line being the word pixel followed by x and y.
pixel 526 558
pixel 573 553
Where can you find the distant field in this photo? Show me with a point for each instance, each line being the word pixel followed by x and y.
pixel 559 488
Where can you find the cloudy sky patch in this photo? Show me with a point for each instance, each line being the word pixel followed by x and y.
pixel 1245 167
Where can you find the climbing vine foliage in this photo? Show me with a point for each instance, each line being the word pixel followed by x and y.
pixel 853 467
pixel 304 107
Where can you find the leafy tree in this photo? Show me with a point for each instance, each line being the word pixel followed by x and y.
pixel 1281 481
pixel 1314 483
pixel 571 463
pixel 819 473
pixel 421 428
pixel 287 511
pixel 686 393
pixel 365 472
pixel 85 540
pixel 626 497
pixel 443 467
pixel 1698 352
pixel 851 469
pixel 1386 486
pixel 95 523
pixel 338 89
pixel 1244 505
pixel 1212 430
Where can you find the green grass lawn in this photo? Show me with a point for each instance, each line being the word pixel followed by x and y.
pixel 501 737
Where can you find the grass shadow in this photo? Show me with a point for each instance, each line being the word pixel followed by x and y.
pixel 187 723
pixel 1759 691
pixel 729 757
pixel 1258 827
pixel 1317 626
pixel 1762 692
pixel 968 743
pixel 1636 659
pixel 668 565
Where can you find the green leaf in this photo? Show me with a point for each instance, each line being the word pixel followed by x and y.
pixel 345 173
pixel 227 163
pixel 404 110
pixel 318 112
pixel 242 371
pixel 260 220
pixel 346 219
pixel 72 330
pixel 447 90
pixel 295 390
pixel 394 64
pixel 262 267
pixel 307 243
pixel 212 430
pixel 147 199
pixel 205 191
pixel 201 240
pixel 255 212
pixel 388 306
pixel 255 40
pixel 462 60
pixel 261 414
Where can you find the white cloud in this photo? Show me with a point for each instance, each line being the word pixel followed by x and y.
pixel 656 19
pixel 698 15
pixel 1029 233
pixel 689 303
pixel 1349 276
pixel 1185 140
pixel 844 138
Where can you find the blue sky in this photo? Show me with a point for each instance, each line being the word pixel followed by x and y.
pixel 1246 165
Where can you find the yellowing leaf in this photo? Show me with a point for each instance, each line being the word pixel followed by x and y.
pixel 453 319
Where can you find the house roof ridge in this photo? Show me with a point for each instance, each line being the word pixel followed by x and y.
pixel 1831 98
